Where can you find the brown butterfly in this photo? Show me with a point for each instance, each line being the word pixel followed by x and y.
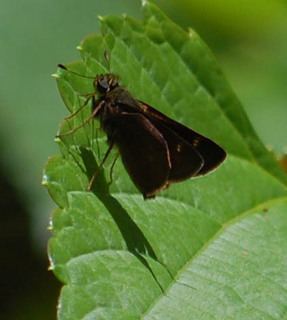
pixel 155 150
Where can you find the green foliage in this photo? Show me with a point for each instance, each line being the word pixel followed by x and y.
pixel 207 248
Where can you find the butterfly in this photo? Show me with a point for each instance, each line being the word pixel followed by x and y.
pixel 156 151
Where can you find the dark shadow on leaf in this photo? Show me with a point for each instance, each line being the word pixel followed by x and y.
pixel 134 237
pixel 135 240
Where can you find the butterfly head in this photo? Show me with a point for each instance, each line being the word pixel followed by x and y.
pixel 104 83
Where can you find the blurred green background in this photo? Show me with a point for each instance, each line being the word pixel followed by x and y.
pixel 249 38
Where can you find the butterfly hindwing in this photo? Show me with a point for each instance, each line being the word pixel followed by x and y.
pixel 143 150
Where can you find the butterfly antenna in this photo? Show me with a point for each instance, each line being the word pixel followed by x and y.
pixel 73 72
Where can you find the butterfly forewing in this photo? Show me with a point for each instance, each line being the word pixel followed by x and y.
pixel 186 162
pixel 211 153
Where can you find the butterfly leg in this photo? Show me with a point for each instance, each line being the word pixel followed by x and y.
pixel 88 96
pixel 90 186
pixel 95 111
pixel 112 168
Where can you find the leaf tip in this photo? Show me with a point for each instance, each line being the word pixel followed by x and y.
pixel 57 139
pixel 80 48
pixel 51 267
pixel 101 18
pixel 144 3
pixel 44 181
pixel 191 33
pixel 55 75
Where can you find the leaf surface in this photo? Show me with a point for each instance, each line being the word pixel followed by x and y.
pixel 208 248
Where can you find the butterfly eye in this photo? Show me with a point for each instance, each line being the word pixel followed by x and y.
pixel 102 84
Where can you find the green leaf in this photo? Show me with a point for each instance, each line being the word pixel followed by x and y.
pixel 208 248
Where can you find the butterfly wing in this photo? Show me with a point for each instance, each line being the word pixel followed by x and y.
pixel 143 150
pixel 211 153
pixel 186 162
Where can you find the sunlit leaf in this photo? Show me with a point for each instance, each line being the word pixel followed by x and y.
pixel 208 248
